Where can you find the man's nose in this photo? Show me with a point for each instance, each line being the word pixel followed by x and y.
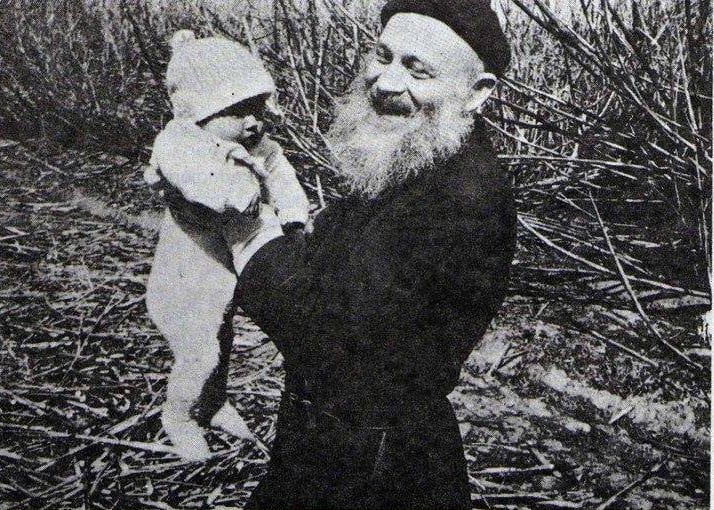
pixel 392 82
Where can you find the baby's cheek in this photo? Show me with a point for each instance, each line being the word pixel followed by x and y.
pixel 235 133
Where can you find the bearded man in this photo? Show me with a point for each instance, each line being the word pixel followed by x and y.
pixel 376 310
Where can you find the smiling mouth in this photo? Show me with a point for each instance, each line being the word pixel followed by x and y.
pixel 391 108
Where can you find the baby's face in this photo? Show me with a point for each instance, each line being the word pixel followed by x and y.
pixel 243 122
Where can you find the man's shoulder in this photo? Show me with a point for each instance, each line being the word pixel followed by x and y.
pixel 475 174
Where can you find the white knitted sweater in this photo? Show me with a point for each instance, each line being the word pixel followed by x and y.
pixel 211 171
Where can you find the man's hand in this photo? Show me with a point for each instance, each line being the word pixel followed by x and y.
pixel 152 175
pixel 246 236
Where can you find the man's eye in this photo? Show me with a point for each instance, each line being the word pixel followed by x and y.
pixel 383 56
pixel 421 73
pixel 418 69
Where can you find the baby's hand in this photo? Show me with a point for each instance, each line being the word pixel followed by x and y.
pixel 268 152
pixel 241 156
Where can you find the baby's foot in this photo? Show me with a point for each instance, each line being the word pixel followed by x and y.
pixel 187 438
pixel 229 420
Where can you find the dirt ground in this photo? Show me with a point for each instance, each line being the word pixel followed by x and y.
pixel 551 417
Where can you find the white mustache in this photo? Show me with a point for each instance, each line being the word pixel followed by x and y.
pixel 391 105
pixel 371 155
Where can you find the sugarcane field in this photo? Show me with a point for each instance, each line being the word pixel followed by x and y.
pixel 550 279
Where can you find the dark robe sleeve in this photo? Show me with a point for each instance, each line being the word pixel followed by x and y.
pixel 410 293
pixel 276 283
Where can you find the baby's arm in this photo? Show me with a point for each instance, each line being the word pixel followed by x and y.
pixel 283 189
pixel 202 168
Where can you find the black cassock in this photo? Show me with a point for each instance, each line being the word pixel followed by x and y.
pixel 375 312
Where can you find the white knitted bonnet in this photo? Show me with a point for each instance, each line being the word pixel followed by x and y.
pixel 205 76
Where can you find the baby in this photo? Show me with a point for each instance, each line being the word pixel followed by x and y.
pixel 214 164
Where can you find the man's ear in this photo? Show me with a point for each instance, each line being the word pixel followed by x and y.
pixel 480 92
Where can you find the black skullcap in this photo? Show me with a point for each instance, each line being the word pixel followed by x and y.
pixel 473 20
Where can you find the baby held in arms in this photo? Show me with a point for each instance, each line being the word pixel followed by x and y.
pixel 221 177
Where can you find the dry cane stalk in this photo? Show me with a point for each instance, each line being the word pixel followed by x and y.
pixel 633 296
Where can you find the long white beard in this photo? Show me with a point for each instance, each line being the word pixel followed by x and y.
pixel 373 152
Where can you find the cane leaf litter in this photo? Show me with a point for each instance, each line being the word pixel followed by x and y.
pixel 591 389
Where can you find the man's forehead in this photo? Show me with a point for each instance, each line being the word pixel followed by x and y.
pixel 427 39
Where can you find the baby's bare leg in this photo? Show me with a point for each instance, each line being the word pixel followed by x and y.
pixel 190 299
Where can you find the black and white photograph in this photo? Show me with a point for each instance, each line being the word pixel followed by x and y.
pixel 355 254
